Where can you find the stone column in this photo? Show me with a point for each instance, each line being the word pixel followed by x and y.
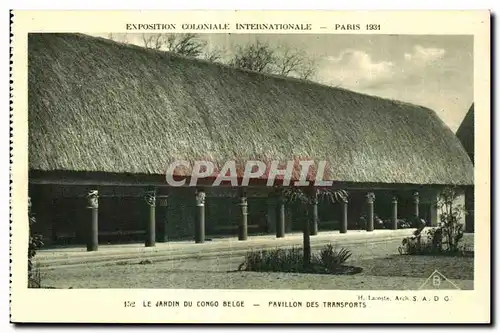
pixel 394 212
pixel 370 199
pixel 306 239
pixel 199 225
pixel 280 216
pixel 416 201
pixel 150 198
pixel 243 223
pixel 343 217
pixel 93 230
pixel 163 204
pixel 314 212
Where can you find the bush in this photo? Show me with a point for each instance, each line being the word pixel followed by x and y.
pixel 276 260
pixel 34 277
pixel 328 260
pixel 445 239
pixel 402 224
pixel 332 259
pixel 433 244
pixel 378 223
pixel 35 243
pixel 451 213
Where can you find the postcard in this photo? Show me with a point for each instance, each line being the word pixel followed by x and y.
pixel 250 167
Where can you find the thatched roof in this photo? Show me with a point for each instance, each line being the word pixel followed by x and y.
pixel 97 105
pixel 465 132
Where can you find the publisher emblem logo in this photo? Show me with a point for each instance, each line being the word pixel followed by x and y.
pixel 438 281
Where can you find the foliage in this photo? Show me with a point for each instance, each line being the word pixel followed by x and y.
pixel 329 260
pixel 291 61
pixel 303 195
pixel 34 278
pixel 435 237
pixel 378 223
pixel 449 218
pixel 188 45
pixel 276 260
pixel 185 44
pixel 214 54
pixel 35 243
pixel 414 245
pixel 401 224
pixel 416 222
pixel 257 57
pixel 282 60
pixel 444 239
pixel 153 41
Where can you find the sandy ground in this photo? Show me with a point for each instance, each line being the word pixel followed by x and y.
pixel 382 267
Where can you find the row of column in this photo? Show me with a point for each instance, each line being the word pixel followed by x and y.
pixel 370 200
pixel 150 198
pixel 199 233
pixel 280 215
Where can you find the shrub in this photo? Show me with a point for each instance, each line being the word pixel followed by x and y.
pixel 35 242
pixel 275 260
pixel 449 218
pixel 444 239
pixel 328 260
pixel 402 224
pixel 378 223
pixel 362 222
pixel 34 277
pixel 332 259
pixel 435 237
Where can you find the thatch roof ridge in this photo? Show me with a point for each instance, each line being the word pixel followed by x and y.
pixel 245 70
pixel 100 106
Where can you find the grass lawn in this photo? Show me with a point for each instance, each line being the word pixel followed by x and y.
pixel 419 266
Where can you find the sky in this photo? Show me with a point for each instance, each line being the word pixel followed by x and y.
pixel 435 71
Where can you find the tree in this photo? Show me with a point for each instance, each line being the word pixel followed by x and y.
pixel 288 61
pixel 215 54
pixel 283 60
pixel 153 41
pixel 185 44
pixel 258 57
pixel 307 69
pixel 304 197
pixel 188 45
pixel 294 62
